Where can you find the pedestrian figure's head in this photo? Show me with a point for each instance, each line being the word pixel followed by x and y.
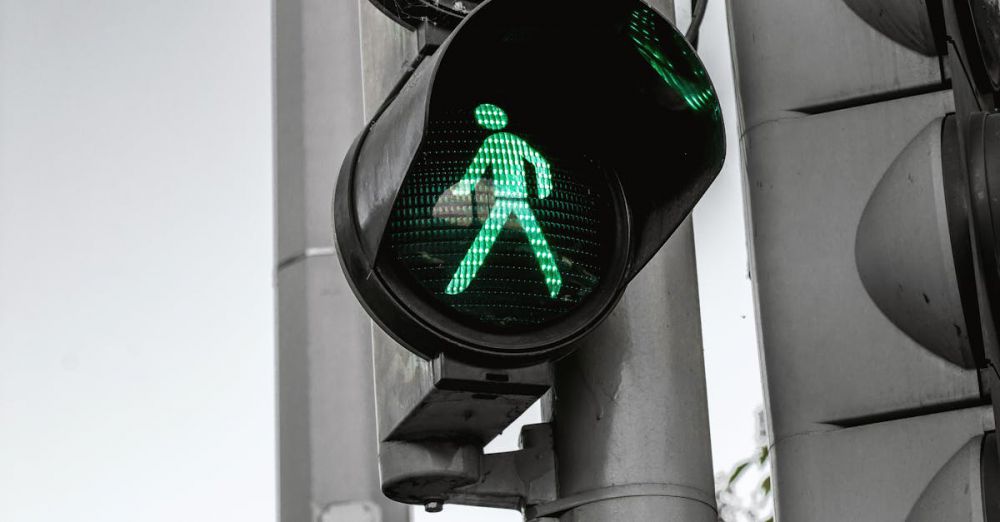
pixel 491 116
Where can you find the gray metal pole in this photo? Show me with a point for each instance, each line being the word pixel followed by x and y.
pixel 327 452
pixel 631 411
pixel 630 415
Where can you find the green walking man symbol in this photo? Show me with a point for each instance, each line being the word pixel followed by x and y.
pixel 505 154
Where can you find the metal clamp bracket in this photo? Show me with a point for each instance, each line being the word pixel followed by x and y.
pixel 435 417
pixel 556 507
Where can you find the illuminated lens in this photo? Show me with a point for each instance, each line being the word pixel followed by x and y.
pixel 499 229
pixel 644 31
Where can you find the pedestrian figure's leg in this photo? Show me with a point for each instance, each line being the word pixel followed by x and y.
pixel 481 246
pixel 546 261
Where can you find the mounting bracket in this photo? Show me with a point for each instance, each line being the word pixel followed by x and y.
pixel 434 418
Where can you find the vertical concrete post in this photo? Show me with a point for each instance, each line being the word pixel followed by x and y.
pixel 327 459
pixel 631 410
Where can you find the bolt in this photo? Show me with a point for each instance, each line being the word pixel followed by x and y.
pixel 433 506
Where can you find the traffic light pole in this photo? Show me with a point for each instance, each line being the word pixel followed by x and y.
pixel 631 410
pixel 326 427
pixel 630 415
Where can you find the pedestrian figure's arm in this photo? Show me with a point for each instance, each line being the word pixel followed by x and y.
pixel 472 174
pixel 543 175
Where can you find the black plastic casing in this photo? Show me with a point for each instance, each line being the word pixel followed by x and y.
pixel 651 197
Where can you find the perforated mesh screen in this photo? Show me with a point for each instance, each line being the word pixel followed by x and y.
pixel 498 228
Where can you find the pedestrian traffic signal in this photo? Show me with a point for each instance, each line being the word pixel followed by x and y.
pixel 497 205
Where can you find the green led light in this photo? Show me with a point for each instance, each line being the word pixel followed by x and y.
pixel 499 227
pixel 643 32
pixel 505 154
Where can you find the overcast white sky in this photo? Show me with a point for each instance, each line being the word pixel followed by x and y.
pixel 136 315
pixel 136 321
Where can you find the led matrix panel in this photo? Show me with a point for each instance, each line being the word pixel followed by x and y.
pixel 503 232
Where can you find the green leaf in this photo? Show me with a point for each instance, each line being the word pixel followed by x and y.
pixel 770 519
pixel 735 475
pixel 766 486
pixel 764 454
